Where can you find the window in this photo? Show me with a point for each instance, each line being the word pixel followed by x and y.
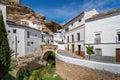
pixel 72 24
pixel 28 43
pixel 78 34
pixel 97 38
pixel 8 31
pixel 35 35
pixel 25 23
pixel 43 38
pixel 118 34
pixel 32 42
pixel 28 34
pixel 66 28
pixel 79 20
pixel 59 32
pixel 72 38
pixel 14 30
pixel 67 38
pixel 98 51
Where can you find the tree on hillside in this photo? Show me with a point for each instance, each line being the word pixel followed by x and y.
pixel 4 49
pixel 90 50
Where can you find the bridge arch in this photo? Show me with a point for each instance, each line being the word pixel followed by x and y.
pixel 46 54
pixel 47 50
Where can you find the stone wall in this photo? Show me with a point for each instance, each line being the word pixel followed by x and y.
pixel 73 72
pixel 16 1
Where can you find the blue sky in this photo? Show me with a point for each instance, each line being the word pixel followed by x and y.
pixel 62 11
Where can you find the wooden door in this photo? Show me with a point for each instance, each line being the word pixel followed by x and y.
pixel 79 49
pixel 117 55
pixel 73 48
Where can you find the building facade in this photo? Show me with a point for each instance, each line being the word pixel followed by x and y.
pixel 23 39
pixel 103 32
pixel 59 36
pixel 74 32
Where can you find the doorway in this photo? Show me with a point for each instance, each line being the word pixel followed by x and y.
pixel 73 48
pixel 117 55
pixel 79 49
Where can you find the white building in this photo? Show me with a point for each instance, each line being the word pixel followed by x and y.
pixel 59 36
pixel 47 38
pixel 103 32
pixel 75 33
pixel 23 39
pixel 36 24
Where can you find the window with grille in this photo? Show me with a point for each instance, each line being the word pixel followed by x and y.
pixel 97 38
pixel 72 38
pixel 78 34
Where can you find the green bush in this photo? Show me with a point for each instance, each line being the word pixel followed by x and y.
pixel 90 50
pixel 45 73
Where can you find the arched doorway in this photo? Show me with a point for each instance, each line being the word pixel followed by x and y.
pixel 49 56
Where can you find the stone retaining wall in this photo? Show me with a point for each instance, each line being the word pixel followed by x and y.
pixel 70 71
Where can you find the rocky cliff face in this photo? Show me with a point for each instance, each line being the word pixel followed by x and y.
pixel 18 12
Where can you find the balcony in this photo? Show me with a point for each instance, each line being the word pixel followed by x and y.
pixel 97 40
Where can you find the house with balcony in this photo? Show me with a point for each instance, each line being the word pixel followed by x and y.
pixel 74 32
pixel 103 32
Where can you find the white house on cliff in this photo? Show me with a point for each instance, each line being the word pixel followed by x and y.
pixel 25 37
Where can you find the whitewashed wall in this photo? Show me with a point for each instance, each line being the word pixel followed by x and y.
pixel 107 27
pixel 60 46
pixel 76 42
pixel 20 35
pixel 35 37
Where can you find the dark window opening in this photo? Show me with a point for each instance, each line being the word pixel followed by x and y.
pixel 72 24
pixel 14 30
pixel 72 38
pixel 28 34
pixel 32 42
pixel 79 20
pixel 78 34
pixel 8 31
pixel 68 39
pixel 28 43
pixel 118 37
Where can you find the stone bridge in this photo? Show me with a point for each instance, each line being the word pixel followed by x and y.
pixel 46 49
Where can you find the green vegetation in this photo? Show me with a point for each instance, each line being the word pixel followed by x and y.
pixel 90 50
pixel 51 56
pixel 45 73
pixel 4 49
pixel 24 75
pixel 11 74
